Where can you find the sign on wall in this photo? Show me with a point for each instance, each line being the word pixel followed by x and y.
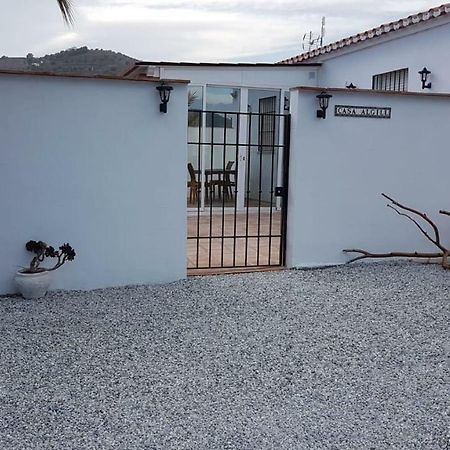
pixel 371 112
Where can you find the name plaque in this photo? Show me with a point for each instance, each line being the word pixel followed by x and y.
pixel 371 112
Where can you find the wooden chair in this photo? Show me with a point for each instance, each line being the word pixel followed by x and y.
pixel 227 183
pixel 193 185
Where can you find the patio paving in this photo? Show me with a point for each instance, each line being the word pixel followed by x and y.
pixel 229 251
pixel 354 357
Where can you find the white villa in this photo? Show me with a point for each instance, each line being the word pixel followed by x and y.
pixel 409 55
pixel 387 57
pixel 280 165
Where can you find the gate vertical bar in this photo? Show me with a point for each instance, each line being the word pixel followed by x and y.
pixel 222 182
pixel 248 145
pixel 210 191
pixel 200 179
pixel 262 118
pixel 271 187
pixel 236 187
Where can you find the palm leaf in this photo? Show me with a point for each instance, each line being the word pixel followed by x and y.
pixel 66 10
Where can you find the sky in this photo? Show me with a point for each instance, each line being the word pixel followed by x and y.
pixel 194 30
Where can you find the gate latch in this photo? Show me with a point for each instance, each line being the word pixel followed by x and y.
pixel 280 191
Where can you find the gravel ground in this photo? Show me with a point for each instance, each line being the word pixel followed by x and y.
pixel 354 357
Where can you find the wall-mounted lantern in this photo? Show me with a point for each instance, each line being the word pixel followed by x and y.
pixel 424 77
pixel 324 99
pixel 286 103
pixel 164 94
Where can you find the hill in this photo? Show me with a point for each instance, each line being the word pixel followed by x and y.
pixel 80 61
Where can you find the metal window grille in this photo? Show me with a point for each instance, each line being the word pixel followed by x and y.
pixel 396 80
pixel 268 123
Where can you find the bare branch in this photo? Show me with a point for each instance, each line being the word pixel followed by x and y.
pixel 444 254
pixel 420 214
pixel 366 254
pixel 419 227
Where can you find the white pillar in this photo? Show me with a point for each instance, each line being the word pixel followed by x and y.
pixel 242 166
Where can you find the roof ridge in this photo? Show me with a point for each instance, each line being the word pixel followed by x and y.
pixel 382 29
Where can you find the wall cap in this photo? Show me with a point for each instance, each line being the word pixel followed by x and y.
pixel 370 91
pixel 91 77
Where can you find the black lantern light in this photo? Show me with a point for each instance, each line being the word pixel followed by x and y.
pixel 324 99
pixel 164 94
pixel 424 77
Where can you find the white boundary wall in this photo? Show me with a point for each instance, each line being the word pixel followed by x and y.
pixel 93 163
pixel 274 77
pixel 340 165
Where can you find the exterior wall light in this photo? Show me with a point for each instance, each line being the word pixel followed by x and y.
pixel 164 95
pixel 424 77
pixel 324 99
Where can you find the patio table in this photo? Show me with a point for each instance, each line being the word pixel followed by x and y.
pixel 210 173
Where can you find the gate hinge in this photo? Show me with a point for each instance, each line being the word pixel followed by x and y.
pixel 280 191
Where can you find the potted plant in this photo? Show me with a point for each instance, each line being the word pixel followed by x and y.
pixel 34 281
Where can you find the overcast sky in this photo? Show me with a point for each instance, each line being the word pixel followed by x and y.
pixel 195 30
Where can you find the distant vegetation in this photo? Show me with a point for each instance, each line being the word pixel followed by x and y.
pixel 80 61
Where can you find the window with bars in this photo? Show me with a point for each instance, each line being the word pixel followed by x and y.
pixel 397 80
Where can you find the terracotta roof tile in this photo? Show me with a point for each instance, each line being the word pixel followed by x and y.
pixel 383 29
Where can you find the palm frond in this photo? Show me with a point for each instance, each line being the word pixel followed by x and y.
pixel 66 10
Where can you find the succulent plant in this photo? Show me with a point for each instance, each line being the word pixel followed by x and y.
pixel 42 250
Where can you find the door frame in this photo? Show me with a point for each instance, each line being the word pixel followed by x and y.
pixel 243 107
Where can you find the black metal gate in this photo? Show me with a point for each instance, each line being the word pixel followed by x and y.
pixel 237 187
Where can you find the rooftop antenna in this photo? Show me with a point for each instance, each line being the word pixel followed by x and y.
pixel 322 31
pixel 311 40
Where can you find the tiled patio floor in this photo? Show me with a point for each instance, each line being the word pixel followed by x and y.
pixel 213 250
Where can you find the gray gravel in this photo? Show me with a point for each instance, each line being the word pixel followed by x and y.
pixel 346 358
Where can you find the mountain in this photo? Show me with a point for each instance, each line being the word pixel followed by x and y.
pixel 80 61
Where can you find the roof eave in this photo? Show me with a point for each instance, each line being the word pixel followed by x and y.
pixel 211 64
pixel 376 35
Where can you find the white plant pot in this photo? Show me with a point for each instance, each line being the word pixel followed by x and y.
pixel 33 285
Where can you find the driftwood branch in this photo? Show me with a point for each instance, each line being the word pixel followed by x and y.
pixel 423 231
pixel 366 254
pixel 436 239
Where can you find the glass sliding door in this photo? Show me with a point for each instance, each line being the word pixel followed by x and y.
pixel 228 151
pixel 220 156
pixel 264 130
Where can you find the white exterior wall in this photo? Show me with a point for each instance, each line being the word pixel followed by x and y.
pixel 278 77
pixel 340 166
pixel 93 163
pixel 429 48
